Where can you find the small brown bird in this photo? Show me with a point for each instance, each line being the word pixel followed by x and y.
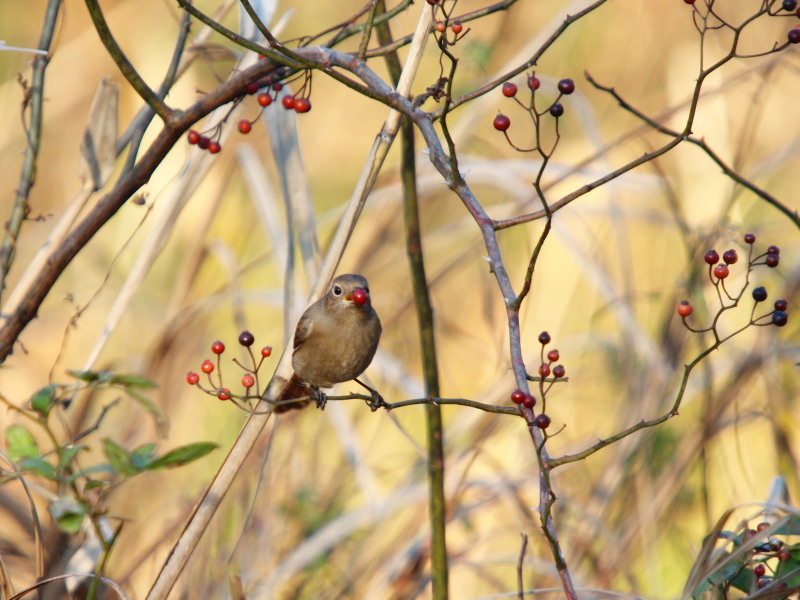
pixel 335 340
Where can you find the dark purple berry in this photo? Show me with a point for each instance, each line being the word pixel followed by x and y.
pixel 772 260
pixel 773 250
pixel 789 5
pixel 749 238
pixel 544 338
pixel 712 257
pixel 730 257
pixel 780 318
pixel 246 338
pixel 542 421
pixel 559 371
pixel 794 36
pixel 566 86
pixel 781 305
pixel 556 110
pixel 760 294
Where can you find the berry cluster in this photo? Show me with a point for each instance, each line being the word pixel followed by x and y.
pixel 769 560
pixel 556 109
pixel 444 22
pixel 718 272
pixel 266 95
pixel 249 378
pixel 546 369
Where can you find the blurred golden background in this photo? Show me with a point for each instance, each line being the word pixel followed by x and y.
pixel 333 504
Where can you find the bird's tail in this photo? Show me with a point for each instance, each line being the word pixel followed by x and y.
pixel 294 389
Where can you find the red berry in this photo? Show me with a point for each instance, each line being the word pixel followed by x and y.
pixel 533 82
pixel 432 2
pixel 501 122
pixel 224 394
pixel 440 27
pixel 559 371
pixel 288 102
pixel 248 381
pixel 203 143
pixel 302 105
pixel 218 347
pixel 712 257
pixel 207 366
pixel 762 526
pixel 760 570
pixel 749 238
pixel 544 369
pixel 252 88
pixel 773 250
pixel 781 305
pixel 266 351
pixel 193 137
pixel 264 99
pixel 553 355
pixel 544 338
pixel 566 86
pixel 214 147
pixel 784 554
pixel 509 89
pixel 517 396
pixel 456 27
pixel 246 338
pixel 277 86
pixel 689 1
pixel 529 401
pixel 192 378
pixel 772 260
pixel 359 297
pixel 730 257
pixel 542 421
pixel 684 308
pixel 557 109
pixel 721 271
pixel 748 534
pixel 244 126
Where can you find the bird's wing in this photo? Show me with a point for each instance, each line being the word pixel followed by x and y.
pixel 304 326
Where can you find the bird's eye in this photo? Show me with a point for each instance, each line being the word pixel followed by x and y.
pixel 337 291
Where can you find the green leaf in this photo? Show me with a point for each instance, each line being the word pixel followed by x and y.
pixel 20 443
pixel 68 455
pixel 183 455
pixel 39 466
pixel 68 513
pixel 142 456
pixel 119 458
pixel 43 400
pixel 133 381
pixel 87 376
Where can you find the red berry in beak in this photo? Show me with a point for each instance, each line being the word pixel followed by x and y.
pixel 360 296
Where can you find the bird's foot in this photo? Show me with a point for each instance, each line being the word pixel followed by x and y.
pixel 321 398
pixel 376 401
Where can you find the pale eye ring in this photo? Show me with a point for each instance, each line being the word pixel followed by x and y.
pixel 337 291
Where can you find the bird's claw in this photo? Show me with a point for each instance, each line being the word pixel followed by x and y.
pixel 376 401
pixel 321 398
